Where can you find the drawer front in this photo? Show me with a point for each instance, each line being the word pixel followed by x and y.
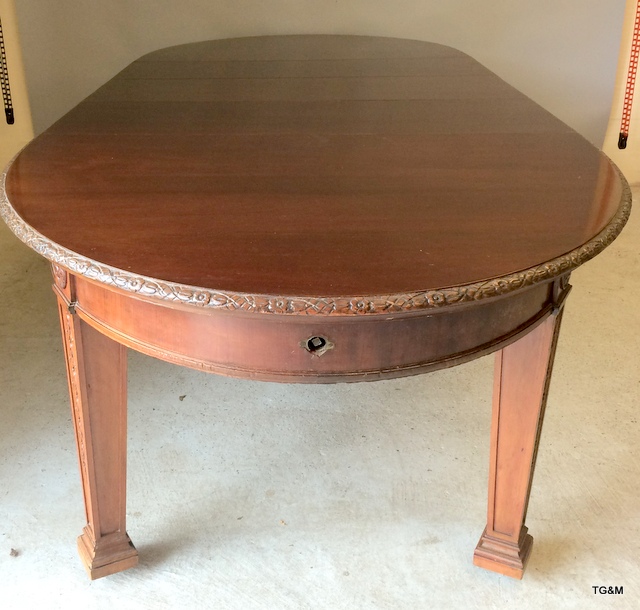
pixel 311 348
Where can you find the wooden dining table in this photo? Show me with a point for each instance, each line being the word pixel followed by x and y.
pixel 313 209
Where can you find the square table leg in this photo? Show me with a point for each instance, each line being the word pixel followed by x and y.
pixel 521 382
pixel 97 375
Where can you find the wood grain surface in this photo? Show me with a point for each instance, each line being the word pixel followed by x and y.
pixel 360 175
pixel 316 166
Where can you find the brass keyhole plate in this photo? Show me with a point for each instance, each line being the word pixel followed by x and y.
pixel 317 345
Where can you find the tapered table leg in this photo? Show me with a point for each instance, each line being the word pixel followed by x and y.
pixel 522 373
pixel 97 373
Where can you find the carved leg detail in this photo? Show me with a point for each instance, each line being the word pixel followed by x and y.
pixel 522 374
pixel 97 374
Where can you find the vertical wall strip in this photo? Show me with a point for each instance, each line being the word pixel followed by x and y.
pixel 631 82
pixel 4 81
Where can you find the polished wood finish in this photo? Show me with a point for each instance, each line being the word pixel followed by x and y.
pixel 273 347
pixel 313 166
pixel 97 375
pixel 521 384
pixel 311 209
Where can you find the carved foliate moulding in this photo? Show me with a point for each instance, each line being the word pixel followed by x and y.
pixel 60 276
pixel 77 264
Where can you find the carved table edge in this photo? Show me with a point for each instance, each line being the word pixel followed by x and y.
pixel 166 291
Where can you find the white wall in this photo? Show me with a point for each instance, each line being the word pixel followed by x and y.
pixel 13 137
pixel 562 53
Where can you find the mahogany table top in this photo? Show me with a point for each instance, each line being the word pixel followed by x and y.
pixel 313 166
pixel 311 175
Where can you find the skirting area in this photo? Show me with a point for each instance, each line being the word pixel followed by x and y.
pixel 259 495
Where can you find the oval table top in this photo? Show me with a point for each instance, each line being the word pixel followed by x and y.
pixel 268 173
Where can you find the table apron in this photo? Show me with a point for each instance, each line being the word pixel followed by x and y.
pixel 276 347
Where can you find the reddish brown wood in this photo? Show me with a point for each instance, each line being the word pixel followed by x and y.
pixel 96 370
pixel 313 166
pixel 522 375
pixel 223 204
pixel 269 347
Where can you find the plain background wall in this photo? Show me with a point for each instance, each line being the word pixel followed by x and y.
pixel 562 53
pixel 13 137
